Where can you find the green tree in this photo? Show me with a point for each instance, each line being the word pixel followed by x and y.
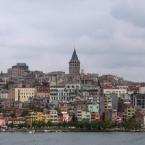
pixel 132 123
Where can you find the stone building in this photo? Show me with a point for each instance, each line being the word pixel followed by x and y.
pixel 74 65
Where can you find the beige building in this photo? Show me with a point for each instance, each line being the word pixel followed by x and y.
pixel 129 111
pixel 107 102
pixel 41 116
pixel 21 94
pixel 53 116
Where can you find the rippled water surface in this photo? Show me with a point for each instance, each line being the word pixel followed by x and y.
pixel 57 138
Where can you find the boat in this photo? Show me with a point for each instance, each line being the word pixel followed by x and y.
pixel 31 131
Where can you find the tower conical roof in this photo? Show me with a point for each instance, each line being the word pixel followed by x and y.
pixel 74 56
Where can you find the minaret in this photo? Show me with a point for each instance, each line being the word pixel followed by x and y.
pixel 74 65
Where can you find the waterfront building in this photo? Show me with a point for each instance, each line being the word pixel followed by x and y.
pixel 129 111
pixel 140 117
pixel 40 116
pixel 107 102
pixel 86 116
pixel 2 121
pixel 114 115
pixel 93 108
pixel 95 116
pixel 16 121
pixel 83 115
pixel 54 116
pixel 110 102
pixel 64 117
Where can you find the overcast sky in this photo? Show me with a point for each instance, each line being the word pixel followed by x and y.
pixel 109 35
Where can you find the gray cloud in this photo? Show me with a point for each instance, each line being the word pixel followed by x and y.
pixel 131 11
pixel 109 35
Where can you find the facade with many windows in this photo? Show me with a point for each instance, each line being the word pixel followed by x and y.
pixel 138 100
pixel 21 94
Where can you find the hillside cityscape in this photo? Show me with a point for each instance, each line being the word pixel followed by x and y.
pixel 74 101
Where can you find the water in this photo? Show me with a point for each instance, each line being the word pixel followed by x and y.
pixel 112 138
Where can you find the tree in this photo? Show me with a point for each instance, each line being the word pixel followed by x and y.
pixel 132 123
pixel 38 124
pixel 94 125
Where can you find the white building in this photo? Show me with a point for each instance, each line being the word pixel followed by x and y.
pixel 64 93
pixel 117 91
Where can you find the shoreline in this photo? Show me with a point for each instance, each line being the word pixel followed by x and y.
pixel 31 131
